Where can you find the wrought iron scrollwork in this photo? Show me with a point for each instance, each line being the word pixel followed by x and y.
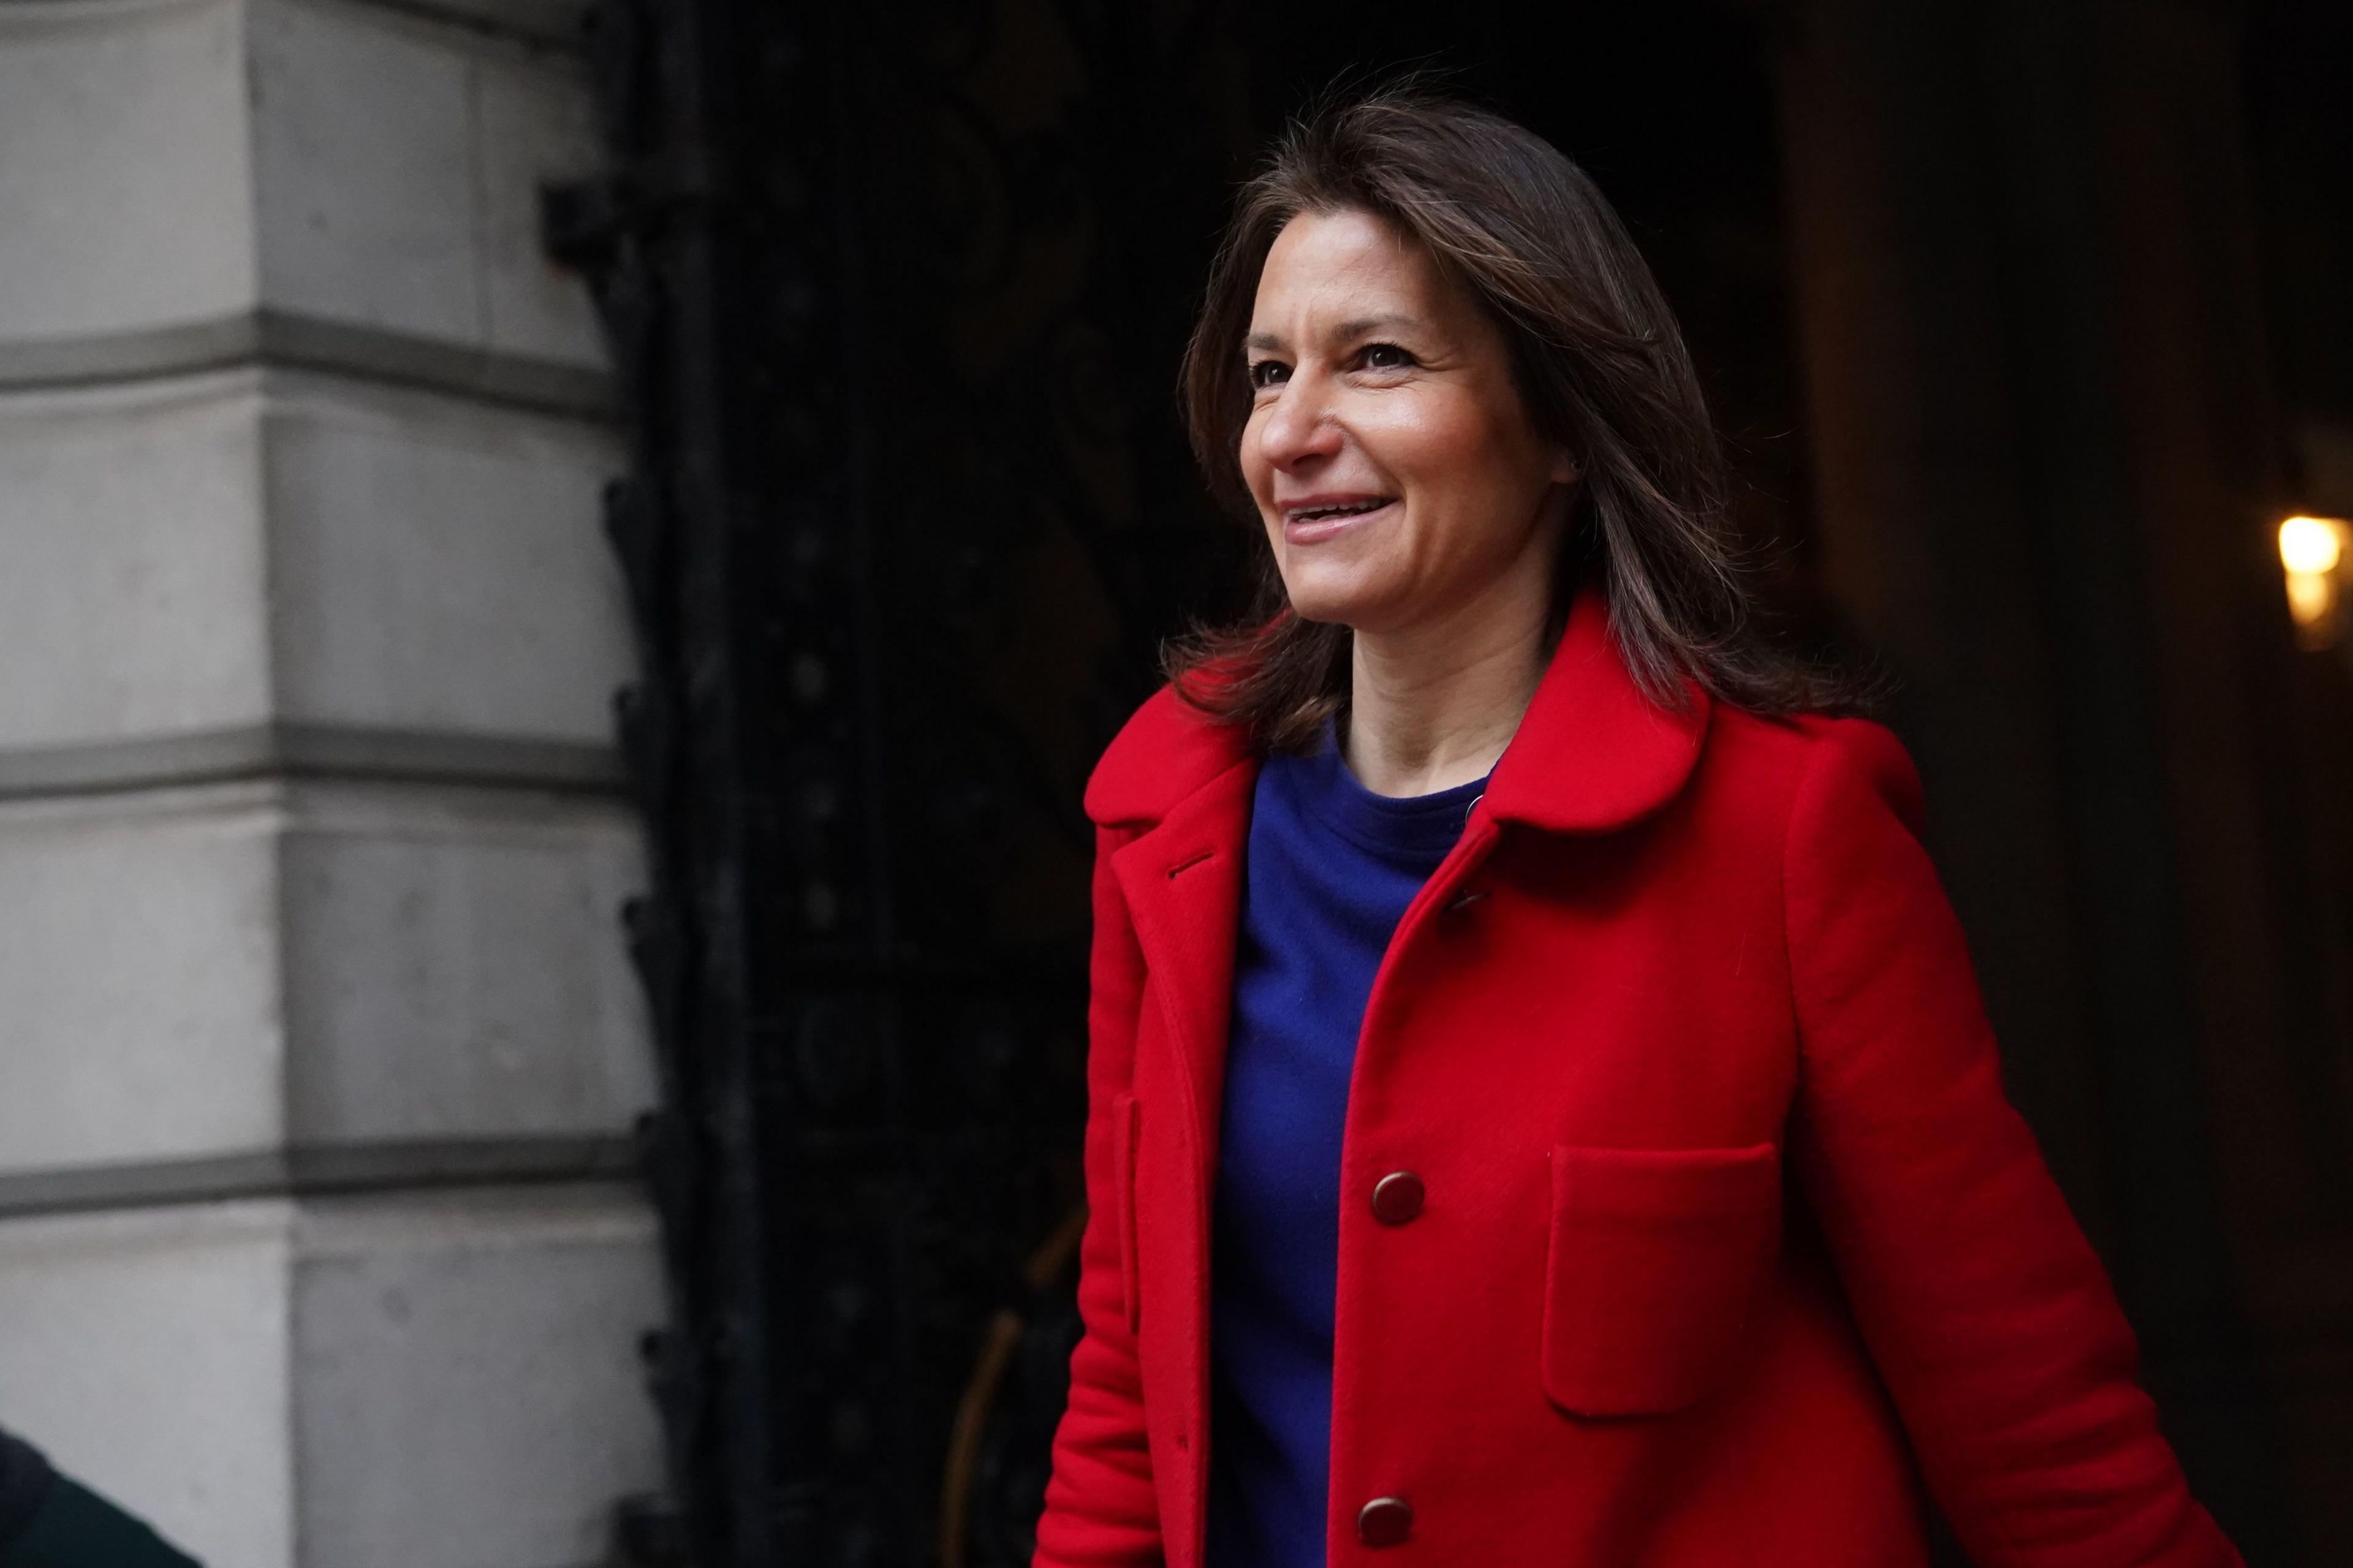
pixel 907 514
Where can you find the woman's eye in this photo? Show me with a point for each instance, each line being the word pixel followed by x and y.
pixel 1268 373
pixel 1384 356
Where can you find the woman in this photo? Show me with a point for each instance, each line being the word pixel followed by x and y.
pixel 1540 1110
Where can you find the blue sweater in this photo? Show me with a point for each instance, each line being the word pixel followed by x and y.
pixel 1331 867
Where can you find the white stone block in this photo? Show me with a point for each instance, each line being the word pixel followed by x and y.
pixel 396 160
pixel 133 599
pixel 430 564
pixel 440 566
pixel 167 165
pixel 361 125
pixel 467 1388
pixel 537 125
pixel 447 1379
pixel 225 971
pixel 141 1001
pixel 455 966
pixel 146 1353
pixel 126 197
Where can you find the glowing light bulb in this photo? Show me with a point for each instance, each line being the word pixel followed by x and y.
pixel 2311 545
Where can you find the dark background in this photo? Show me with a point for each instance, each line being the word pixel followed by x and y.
pixel 2027 322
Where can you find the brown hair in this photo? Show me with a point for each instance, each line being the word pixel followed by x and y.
pixel 1595 353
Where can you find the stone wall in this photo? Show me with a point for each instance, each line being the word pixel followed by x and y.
pixel 317 1242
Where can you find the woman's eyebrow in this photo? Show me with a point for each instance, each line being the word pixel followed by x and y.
pixel 1364 324
pixel 1269 342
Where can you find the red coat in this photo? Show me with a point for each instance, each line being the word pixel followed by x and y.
pixel 1728 1234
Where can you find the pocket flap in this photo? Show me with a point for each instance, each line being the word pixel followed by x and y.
pixel 1653 1257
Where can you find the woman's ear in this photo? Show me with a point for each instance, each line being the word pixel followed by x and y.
pixel 1564 467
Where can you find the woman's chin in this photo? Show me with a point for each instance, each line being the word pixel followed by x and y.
pixel 1345 598
pixel 1335 609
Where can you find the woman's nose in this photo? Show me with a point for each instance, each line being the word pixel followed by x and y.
pixel 1300 426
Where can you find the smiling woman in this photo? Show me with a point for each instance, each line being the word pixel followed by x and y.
pixel 1540 1109
pixel 1457 259
pixel 1407 496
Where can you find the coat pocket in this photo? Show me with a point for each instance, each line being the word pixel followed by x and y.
pixel 1653 1257
pixel 1126 1120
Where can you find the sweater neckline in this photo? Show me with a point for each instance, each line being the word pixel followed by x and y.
pixel 1414 826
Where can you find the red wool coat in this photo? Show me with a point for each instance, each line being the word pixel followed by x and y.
pixel 1727 1239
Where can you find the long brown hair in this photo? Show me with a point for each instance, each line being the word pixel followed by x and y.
pixel 1595 353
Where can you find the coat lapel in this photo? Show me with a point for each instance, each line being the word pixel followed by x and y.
pixel 1182 883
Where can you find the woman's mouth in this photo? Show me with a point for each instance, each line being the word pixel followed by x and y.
pixel 1318 518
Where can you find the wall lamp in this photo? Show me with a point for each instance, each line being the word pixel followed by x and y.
pixel 2313 552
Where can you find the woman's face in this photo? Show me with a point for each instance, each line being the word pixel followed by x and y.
pixel 1391 458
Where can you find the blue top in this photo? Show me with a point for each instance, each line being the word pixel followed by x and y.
pixel 1331 866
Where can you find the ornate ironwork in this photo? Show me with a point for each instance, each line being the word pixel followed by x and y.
pixel 896 318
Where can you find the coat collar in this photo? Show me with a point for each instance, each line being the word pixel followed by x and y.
pixel 1166 753
pixel 1594 751
pixel 1592 754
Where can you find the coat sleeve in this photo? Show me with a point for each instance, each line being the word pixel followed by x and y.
pixel 1101 1510
pixel 1986 1311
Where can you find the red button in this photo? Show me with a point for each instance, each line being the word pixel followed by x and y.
pixel 1385 1521
pixel 1397 1197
